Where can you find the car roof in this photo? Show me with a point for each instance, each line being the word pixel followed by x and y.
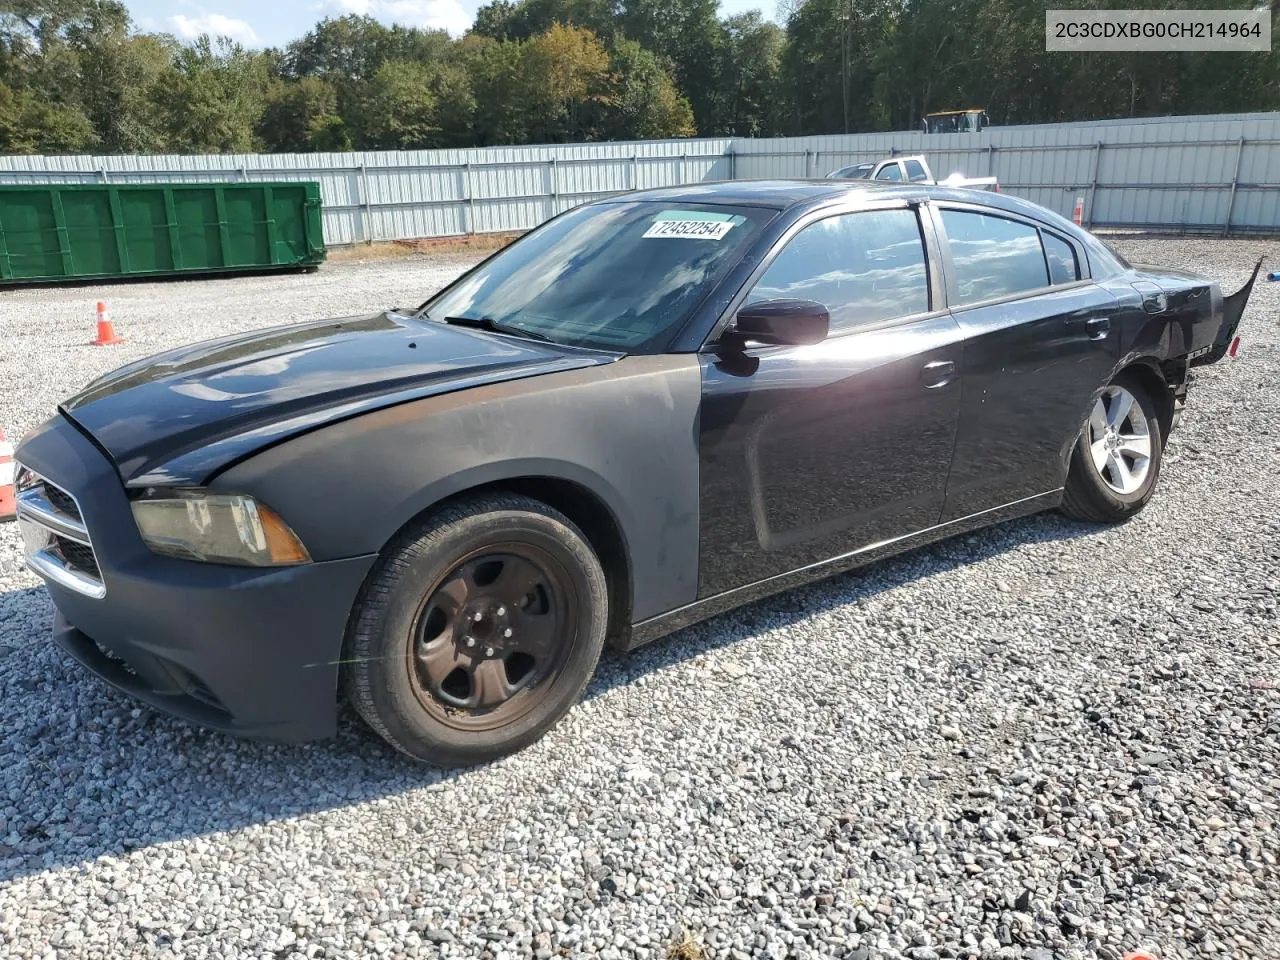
pixel 778 194
pixel 785 194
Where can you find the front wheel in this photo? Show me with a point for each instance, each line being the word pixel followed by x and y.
pixel 478 630
pixel 1116 460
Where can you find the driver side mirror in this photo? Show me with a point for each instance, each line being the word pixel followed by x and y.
pixel 795 322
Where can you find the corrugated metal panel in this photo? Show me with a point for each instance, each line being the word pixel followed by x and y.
pixel 67 231
pixel 1171 171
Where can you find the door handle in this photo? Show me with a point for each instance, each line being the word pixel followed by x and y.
pixel 1098 327
pixel 937 374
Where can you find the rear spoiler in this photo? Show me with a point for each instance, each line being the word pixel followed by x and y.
pixel 1232 310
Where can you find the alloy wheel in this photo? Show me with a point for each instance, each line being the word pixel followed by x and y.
pixel 1120 440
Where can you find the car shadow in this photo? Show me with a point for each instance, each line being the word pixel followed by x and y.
pixel 87 769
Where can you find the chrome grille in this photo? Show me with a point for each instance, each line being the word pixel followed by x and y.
pixel 55 539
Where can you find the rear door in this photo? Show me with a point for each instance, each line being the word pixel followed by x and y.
pixel 812 452
pixel 1040 339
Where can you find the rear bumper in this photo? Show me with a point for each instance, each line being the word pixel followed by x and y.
pixel 249 651
pixel 1232 312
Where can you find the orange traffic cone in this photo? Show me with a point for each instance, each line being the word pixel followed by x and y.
pixel 8 499
pixel 106 332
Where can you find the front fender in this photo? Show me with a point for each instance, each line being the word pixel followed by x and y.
pixel 627 432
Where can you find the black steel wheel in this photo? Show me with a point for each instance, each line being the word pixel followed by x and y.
pixel 498 625
pixel 477 631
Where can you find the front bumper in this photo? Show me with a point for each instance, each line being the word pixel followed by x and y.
pixel 250 651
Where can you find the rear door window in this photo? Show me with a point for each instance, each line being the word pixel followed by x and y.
pixel 992 256
pixel 1061 256
pixel 915 171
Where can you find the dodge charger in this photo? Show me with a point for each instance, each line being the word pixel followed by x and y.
pixel 649 410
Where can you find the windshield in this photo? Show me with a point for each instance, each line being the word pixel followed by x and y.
pixel 860 171
pixel 970 121
pixel 618 276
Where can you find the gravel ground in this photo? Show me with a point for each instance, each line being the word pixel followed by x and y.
pixel 1048 740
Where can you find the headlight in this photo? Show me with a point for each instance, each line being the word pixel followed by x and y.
pixel 216 528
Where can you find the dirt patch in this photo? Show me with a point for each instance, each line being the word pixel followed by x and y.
pixel 435 246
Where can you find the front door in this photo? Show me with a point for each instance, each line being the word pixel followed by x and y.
pixel 812 452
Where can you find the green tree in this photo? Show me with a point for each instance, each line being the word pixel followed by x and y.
pixel 29 124
pixel 687 34
pixel 215 99
pixel 647 105
pixel 751 76
pixel 456 106
pixel 493 74
pixel 75 75
pixel 397 110
pixel 345 49
pixel 352 48
pixel 36 56
pixel 566 81
pixel 351 52
pixel 123 77
pixel 497 21
pixel 503 20
pixel 302 115
pixel 830 65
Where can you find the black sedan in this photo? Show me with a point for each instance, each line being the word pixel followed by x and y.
pixel 650 409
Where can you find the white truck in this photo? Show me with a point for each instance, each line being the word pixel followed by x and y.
pixel 912 169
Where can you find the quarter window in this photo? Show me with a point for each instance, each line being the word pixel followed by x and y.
pixel 915 171
pixel 863 267
pixel 993 257
pixel 1061 256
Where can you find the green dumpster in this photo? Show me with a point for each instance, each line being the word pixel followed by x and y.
pixel 91 231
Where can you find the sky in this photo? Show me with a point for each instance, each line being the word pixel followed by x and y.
pixel 274 23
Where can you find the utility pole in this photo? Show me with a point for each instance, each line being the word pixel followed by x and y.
pixel 846 16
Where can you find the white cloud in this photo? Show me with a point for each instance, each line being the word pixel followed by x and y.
pixel 215 25
pixel 432 14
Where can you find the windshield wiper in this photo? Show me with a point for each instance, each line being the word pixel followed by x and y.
pixel 497 326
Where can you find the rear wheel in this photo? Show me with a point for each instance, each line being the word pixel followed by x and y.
pixel 478 630
pixel 1116 460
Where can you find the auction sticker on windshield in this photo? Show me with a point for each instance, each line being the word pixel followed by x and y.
pixel 683 225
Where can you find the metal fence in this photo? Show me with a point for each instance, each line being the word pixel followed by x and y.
pixel 1217 173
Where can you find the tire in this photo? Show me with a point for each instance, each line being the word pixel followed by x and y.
pixel 1096 490
pixel 450 656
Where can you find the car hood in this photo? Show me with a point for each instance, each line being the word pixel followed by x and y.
pixel 178 417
